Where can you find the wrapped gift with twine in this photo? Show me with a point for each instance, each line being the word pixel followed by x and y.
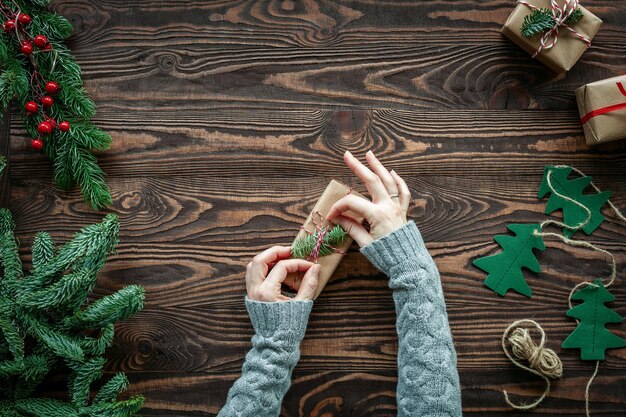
pixel 555 32
pixel 602 108
pixel 321 242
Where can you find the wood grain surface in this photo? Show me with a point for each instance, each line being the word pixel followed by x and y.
pixel 228 120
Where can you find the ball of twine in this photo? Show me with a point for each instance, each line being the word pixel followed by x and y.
pixel 542 361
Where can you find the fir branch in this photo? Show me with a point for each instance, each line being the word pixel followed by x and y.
pixel 111 308
pixel 303 247
pixel 541 20
pixel 9 257
pixel 39 307
pixel 43 249
pixel 87 373
pixel 46 407
pixel 110 390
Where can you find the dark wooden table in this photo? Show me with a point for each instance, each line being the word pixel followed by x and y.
pixel 228 121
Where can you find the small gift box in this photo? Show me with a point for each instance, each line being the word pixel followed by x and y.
pixel 602 108
pixel 317 231
pixel 556 32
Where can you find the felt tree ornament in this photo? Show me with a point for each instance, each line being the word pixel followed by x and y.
pixel 591 336
pixel 541 20
pixel 311 243
pixel 47 323
pixel 38 72
pixel 504 269
pixel 586 214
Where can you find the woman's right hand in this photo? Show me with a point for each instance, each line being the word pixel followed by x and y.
pixel 386 211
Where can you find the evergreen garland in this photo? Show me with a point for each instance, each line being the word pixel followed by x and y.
pixel 303 246
pixel 38 71
pixel 541 20
pixel 47 322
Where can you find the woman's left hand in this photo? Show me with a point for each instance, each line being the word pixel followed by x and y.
pixel 268 270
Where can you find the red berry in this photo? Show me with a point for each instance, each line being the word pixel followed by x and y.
pixel 52 122
pixel 47 101
pixel 64 126
pixel 26 48
pixel 52 87
pixel 37 144
pixel 9 25
pixel 47 47
pixel 31 107
pixel 44 128
pixel 24 19
pixel 40 41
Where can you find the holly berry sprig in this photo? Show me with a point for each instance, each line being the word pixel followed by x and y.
pixel 38 70
pixel 16 23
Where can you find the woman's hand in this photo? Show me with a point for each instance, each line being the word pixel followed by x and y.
pixel 387 210
pixel 263 284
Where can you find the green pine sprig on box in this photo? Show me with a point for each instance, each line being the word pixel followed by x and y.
pixel 46 321
pixel 541 20
pixel 24 77
pixel 303 246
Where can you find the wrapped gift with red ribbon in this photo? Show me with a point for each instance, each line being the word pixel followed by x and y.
pixel 555 32
pixel 602 108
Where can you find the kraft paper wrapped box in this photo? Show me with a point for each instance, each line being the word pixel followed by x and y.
pixel 602 108
pixel 329 263
pixel 568 48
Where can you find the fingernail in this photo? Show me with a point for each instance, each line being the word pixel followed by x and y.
pixel 370 152
pixel 393 172
pixel 348 153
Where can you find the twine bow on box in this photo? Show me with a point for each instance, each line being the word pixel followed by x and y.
pixel 551 20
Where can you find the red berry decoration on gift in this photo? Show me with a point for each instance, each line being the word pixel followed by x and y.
pixel 47 101
pixel 40 41
pixel 44 128
pixel 31 107
pixel 37 144
pixel 24 19
pixel 52 87
pixel 64 126
pixel 26 48
pixel 9 25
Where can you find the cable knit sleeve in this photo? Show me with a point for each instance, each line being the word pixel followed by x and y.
pixel 428 380
pixel 266 373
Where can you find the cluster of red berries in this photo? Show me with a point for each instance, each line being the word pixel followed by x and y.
pixel 39 41
pixel 48 124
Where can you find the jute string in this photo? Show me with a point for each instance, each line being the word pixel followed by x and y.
pixel 543 362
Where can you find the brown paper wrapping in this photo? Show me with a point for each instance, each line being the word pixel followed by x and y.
pixel 605 127
pixel 568 49
pixel 333 192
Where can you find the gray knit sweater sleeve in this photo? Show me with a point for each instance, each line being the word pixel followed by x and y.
pixel 266 373
pixel 428 380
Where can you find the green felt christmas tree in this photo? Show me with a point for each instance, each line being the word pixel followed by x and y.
pixel 591 336
pixel 39 73
pixel 47 323
pixel 573 215
pixel 505 268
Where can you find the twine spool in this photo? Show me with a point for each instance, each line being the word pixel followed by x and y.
pixel 542 361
